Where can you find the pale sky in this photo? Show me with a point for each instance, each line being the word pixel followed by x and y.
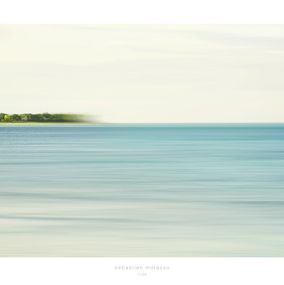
pixel 145 73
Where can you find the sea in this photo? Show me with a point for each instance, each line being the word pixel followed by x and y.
pixel 142 190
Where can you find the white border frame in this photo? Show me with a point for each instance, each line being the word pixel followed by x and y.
pixel 91 271
pixel 141 12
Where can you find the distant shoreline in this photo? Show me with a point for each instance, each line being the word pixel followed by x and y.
pixel 39 118
pixel 50 122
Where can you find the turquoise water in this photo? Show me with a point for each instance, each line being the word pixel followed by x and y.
pixel 142 190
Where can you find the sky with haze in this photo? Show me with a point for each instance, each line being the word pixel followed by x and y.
pixel 145 73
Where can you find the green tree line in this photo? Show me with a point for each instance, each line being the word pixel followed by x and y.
pixel 43 117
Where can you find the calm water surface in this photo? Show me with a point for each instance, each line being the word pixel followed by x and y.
pixel 142 190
